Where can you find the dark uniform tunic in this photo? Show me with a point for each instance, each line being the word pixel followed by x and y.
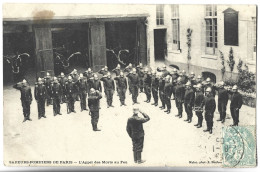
pixel 189 102
pixel 167 94
pixel 122 85
pixel 222 102
pixel 56 93
pixel 70 94
pixel 184 79
pixel 179 98
pixel 88 75
pixel 128 69
pixel 235 105
pixel 134 79
pixel 117 72
pixel 147 86
pixel 93 104
pixel 199 104
pixel 140 73
pixel 83 88
pixel 47 83
pixel 155 87
pixel 40 94
pixel 210 106
pixel 26 98
pixel 161 91
pixel 174 83
pixel 62 81
pixel 109 87
pixel 135 131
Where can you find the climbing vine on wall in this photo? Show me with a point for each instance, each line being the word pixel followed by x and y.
pixel 223 68
pixel 189 33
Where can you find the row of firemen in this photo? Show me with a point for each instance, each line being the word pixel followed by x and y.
pixel 189 92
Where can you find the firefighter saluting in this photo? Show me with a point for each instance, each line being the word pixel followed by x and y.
pixel 56 94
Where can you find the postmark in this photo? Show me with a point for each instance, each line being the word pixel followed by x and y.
pixel 239 148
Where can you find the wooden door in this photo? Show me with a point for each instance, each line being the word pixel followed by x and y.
pixel 43 49
pixel 142 43
pixel 98 45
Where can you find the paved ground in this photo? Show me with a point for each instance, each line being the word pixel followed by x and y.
pixel 169 141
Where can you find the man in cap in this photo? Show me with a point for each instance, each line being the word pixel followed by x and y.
pixel 47 82
pixel 174 76
pixel 235 105
pixel 184 77
pixel 168 93
pixel 135 131
pixel 109 87
pixel 83 89
pixel 26 98
pixel 128 69
pixel 189 101
pixel 93 104
pixel 70 95
pixel 122 86
pixel 192 80
pixel 140 72
pixel 199 104
pixel 147 84
pixel 222 101
pixel 155 87
pixel 56 92
pixel 210 106
pixel 103 71
pixel 134 79
pixel 179 97
pixel 62 81
pixel 161 91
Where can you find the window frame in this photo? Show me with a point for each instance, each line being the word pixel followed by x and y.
pixel 175 26
pixel 159 14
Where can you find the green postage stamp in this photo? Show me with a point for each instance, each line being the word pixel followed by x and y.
pixel 239 146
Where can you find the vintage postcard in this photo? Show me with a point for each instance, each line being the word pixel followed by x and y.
pixel 125 85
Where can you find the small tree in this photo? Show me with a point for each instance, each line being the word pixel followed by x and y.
pixel 239 65
pixel 189 32
pixel 231 61
pixel 223 68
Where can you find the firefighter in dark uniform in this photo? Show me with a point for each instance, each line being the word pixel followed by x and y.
pixel 147 85
pixel 26 98
pixel 199 104
pixel 62 81
pixel 88 74
pixel 210 107
pixel 134 79
pixel 56 92
pixel 140 72
pixel 193 81
pixel 103 71
pixel 93 104
pixel 40 93
pixel 155 87
pixel 109 88
pixel 70 95
pixel 164 71
pixel 174 76
pixel 208 84
pixel 128 69
pixel 222 101
pixel 135 131
pixel 122 86
pixel 189 101
pixel 179 97
pixel 161 91
pixel 200 81
pixel 83 88
pixel 47 83
pixel 117 71
pixel 168 93
pixel 75 77
pixel 235 105
pixel 96 84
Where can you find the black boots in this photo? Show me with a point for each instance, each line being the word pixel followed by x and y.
pixel 139 158
pixel 94 126
pixel 135 156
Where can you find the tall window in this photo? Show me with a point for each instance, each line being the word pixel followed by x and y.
pixel 254 33
pixel 230 27
pixel 175 27
pixel 211 29
pixel 160 14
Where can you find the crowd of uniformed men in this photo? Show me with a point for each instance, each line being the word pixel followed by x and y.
pixel 190 92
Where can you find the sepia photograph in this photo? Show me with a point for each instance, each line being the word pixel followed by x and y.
pixel 129 85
